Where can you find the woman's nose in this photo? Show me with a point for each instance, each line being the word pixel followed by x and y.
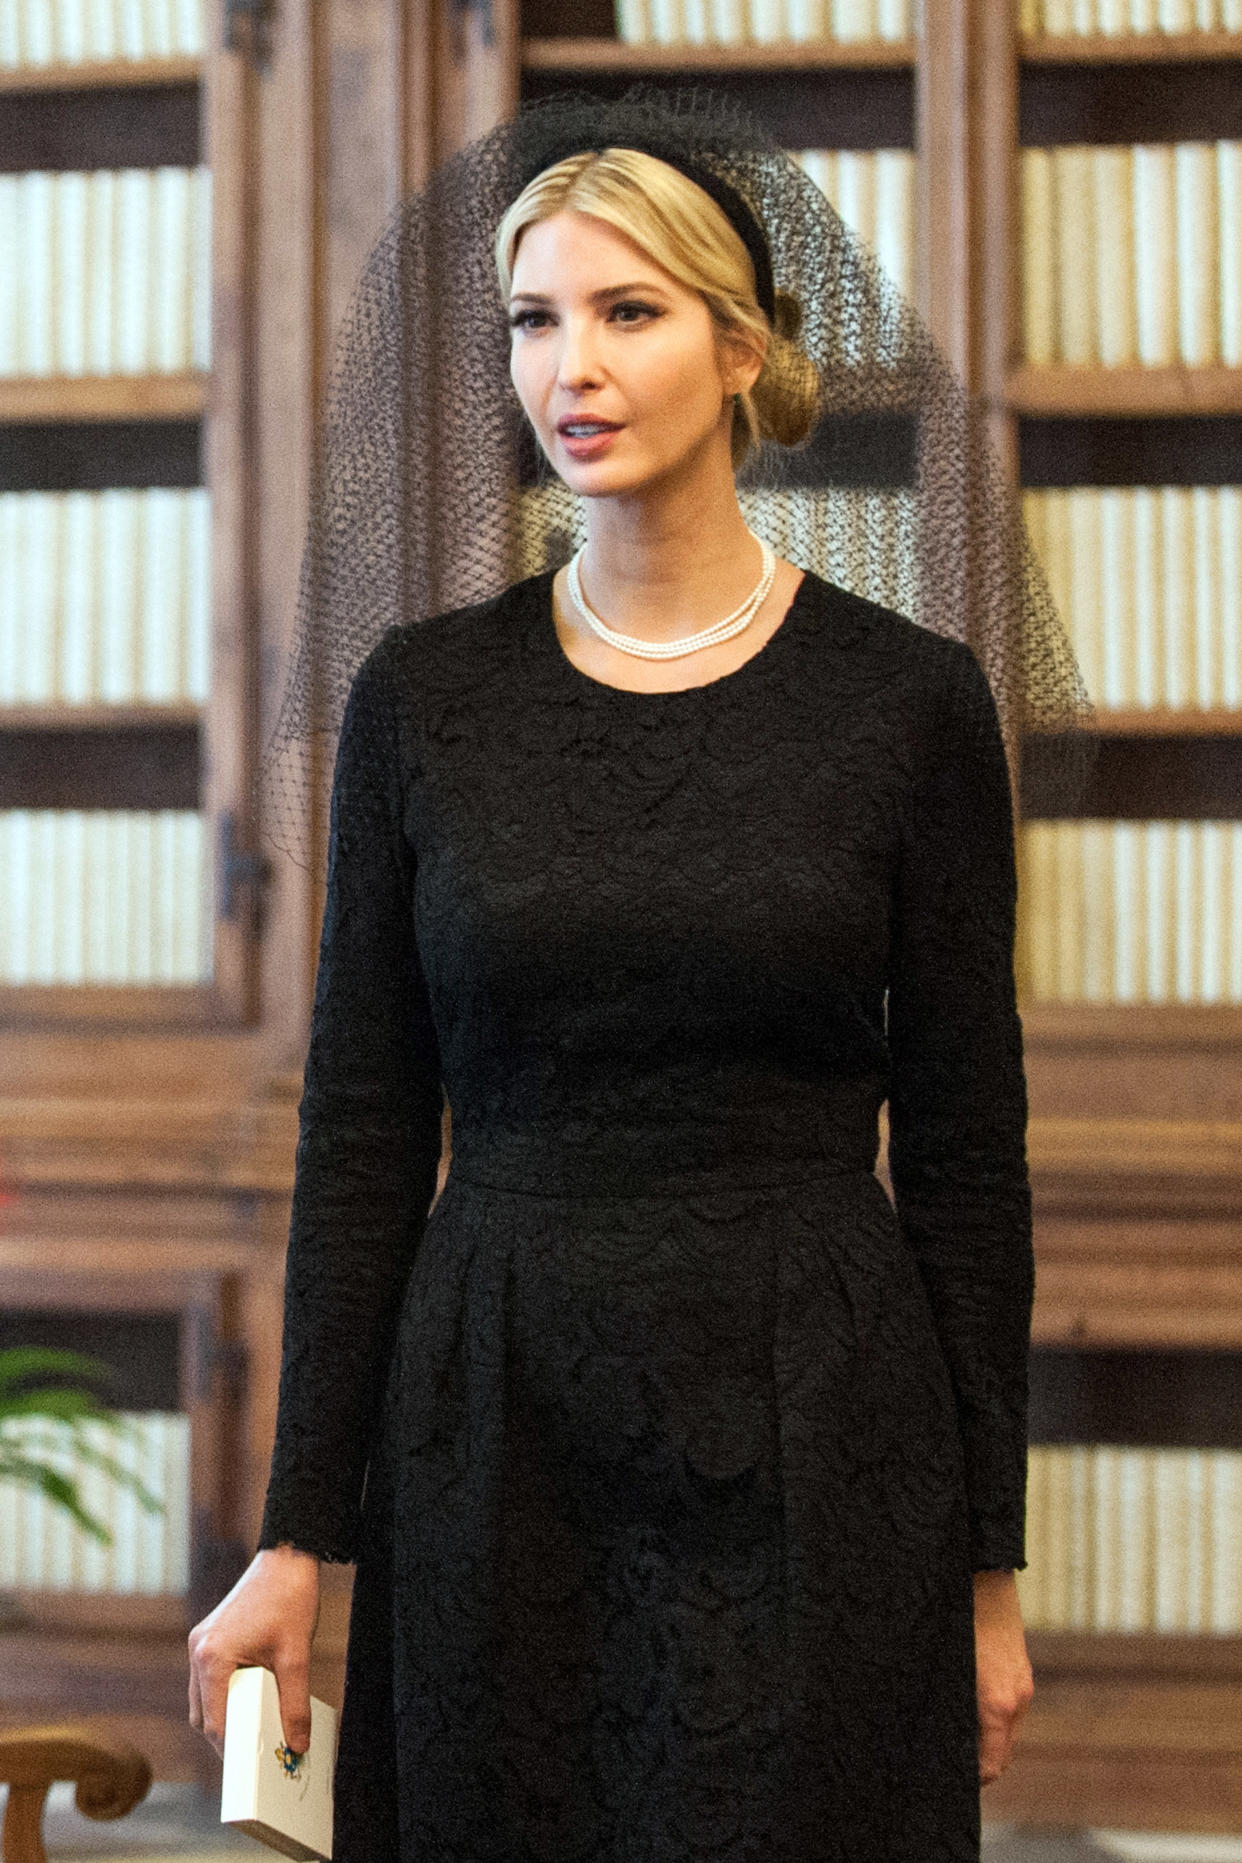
pixel 578 359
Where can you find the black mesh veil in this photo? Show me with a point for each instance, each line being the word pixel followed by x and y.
pixel 430 491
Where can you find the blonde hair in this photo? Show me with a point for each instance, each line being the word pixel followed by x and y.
pixel 680 227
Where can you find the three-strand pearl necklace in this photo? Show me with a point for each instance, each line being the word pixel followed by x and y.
pixel 687 643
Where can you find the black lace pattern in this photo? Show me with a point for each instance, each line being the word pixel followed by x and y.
pixel 665 1444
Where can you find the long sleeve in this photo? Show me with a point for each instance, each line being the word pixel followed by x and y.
pixel 368 1143
pixel 958 1098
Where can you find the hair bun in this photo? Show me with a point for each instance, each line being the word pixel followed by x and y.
pixel 787 320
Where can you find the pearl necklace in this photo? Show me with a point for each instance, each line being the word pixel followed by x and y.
pixel 688 643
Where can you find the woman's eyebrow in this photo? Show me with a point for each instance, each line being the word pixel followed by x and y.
pixel 596 297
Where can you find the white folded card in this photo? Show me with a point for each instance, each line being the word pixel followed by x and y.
pixel 282 1798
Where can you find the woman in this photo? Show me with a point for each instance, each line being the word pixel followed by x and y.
pixel 694 1470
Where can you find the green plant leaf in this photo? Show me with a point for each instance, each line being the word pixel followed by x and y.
pixel 17 1363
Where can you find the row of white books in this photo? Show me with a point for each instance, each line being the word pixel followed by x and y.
pixel 1133 1539
pixel 71 32
pixel 1131 911
pixel 764 22
pixel 873 190
pixel 43 1547
pixel 1148 579
pixel 105 597
pixel 1132 253
pixel 1116 18
pixel 105 272
pixel 104 896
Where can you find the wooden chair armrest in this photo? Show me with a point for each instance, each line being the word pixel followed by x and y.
pixel 110 1777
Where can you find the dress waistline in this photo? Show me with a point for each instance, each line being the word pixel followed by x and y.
pixel 672 1161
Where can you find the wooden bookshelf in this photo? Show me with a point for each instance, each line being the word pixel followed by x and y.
pixel 108 74
pixel 1135 48
pixel 600 56
pixel 1126 1727
pixel 110 1006
pixel 1135 1138
pixel 1067 390
pixel 100 717
pixel 1160 721
pixel 37 398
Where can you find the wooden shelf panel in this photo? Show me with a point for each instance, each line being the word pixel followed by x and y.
pixel 1135 48
pixel 1059 388
pixel 1213 1026
pixel 100 717
pixel 1159 721
pixel 1147 1653
pixel 613 55
pixel 107 74
pixel 129 1006
pixel 1139 1753
pixel 93 1613
pixel 103 397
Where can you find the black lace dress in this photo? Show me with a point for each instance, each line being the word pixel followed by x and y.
pixel 680 1443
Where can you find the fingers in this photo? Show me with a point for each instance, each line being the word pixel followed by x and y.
pixel 999 1721
pixel 196 1698
pixel 212 1662
pixel 209 1689
pixel 293 1688
pixel 995 1749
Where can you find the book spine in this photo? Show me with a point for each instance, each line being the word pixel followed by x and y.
pixel 1114 17
pixel 10 595
pixel 1197 268
pixel 1114 508
pixel 852 20
pixel 132 333
pixel 730 21
pixel 188 27
pixel 101 30
pixel 72 31
pixel 1040 307
pixel 131 35
pixel 70 204
pixel 1230 579
pixel 632 19
pixel 893 20
pixel 1130 963
pixel 79 672
pixel 1149 648
pixel 198 608
pixel 1224 1483
pixel 10 260
pixel 200 268
pixel 1135 1508
pixel 158 29
pixel 101 263
pixel 170 307
pixel 118 606
pixel 1206 595
pixel 1229 223
pixel 1076 255
pixel 1177 593
pixel 36 295
pixel 1116 337
pixel 1155 220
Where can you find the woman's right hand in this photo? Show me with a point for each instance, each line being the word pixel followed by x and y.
pixel 267 1619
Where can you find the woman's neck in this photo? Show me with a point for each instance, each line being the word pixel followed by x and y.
pixel 668 577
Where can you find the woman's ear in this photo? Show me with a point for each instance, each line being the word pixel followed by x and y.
pixel 743 365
